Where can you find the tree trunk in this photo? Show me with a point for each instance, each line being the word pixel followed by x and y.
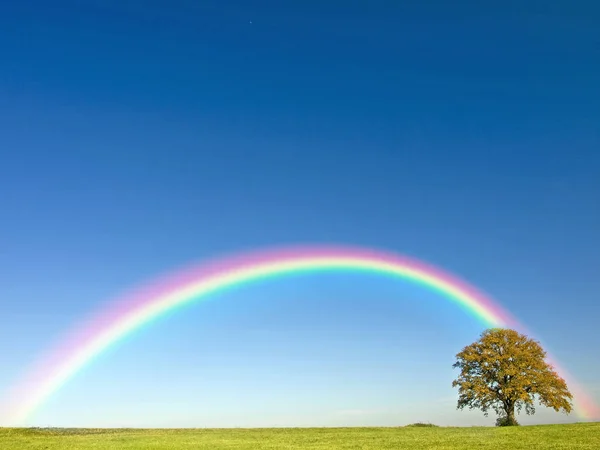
pixel 509 408
pixel 510 416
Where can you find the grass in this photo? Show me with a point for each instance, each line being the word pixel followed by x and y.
pixel 548 437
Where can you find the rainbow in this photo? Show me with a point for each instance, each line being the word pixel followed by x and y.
pixel 142 306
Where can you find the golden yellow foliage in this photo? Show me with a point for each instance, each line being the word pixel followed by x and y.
pixel 505 370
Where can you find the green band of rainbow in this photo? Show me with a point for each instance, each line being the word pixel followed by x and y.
pixel 130 313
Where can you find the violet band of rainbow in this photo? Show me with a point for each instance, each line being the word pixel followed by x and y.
pixel 139 308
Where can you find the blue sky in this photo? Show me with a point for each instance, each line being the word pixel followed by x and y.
pixel 138 137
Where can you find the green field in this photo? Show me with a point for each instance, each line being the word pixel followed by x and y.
pixel 575 436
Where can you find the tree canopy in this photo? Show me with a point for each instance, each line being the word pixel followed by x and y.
pixel 506 371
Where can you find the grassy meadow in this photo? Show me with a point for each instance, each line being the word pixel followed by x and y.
pixel 549 437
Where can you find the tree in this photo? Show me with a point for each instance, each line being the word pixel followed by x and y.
pixel 505 370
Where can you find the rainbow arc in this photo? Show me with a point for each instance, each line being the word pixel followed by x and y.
pixel 140 308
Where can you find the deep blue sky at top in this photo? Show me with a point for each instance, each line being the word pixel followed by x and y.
pixel 136 137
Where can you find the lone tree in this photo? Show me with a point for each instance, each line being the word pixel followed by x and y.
pixel 505 370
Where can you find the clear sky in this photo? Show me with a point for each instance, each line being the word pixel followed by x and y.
pixel 137 137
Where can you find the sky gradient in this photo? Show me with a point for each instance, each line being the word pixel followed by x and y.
pixel 138 138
